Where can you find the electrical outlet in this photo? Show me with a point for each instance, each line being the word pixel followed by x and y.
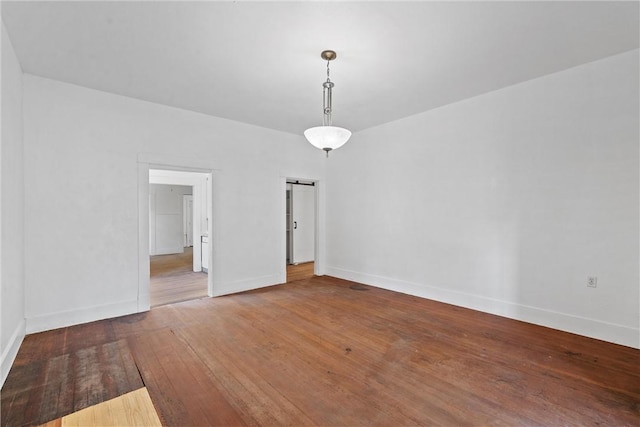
pixel 592 281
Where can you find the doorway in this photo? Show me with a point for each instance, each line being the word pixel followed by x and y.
pixel 300 229
pixel 178 222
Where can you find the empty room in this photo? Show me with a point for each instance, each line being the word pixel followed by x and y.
pixel 391 213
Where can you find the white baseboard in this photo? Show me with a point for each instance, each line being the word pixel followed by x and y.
pixel 169 251
pixel 75 317
pixel 11 351
pixel 592 328
pixel 90 314
pixel 226 288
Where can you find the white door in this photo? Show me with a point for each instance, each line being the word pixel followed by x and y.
pixel 303 215
pixel 187 214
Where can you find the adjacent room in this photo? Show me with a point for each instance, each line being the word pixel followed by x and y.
pixel 320 213
pixel 179 212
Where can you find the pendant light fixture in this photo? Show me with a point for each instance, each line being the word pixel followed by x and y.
pixel 327 137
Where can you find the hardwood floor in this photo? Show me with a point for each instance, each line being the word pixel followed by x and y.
pixel 324 351
pixel 172 279
pixel 131 409
pixel 299 271
pixel 65 370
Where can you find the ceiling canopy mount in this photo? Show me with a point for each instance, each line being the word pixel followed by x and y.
pixel 328 55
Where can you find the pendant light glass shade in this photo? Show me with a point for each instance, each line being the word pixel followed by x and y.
pixel 327 137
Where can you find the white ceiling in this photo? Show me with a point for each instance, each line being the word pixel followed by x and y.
pixel 259 62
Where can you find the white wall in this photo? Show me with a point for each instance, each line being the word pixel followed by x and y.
pixel 166 227
pixel 505 202
pixel 83 249
pixel 12 324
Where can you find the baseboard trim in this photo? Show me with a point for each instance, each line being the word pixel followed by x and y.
pixel 11 351
pixel 617 334
pixel 168 251
pixel 226 288
pixel 84 315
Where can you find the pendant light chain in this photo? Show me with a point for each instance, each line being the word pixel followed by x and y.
pixel 326 97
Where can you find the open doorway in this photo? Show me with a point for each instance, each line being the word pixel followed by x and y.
pixel 178 238
pixel 300 229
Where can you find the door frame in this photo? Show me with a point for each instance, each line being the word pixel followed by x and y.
pixel 319 227
pixel 147 161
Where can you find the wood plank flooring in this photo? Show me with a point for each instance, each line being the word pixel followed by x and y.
pixel 62 371
pixel 324 351
pixel 131 409
pixel 299 271
pixel 172 279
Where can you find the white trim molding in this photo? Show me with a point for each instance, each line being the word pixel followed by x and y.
pixel 84 315
pixel 226 288
pixel 201 185
pixel 11 351
pixel 618 334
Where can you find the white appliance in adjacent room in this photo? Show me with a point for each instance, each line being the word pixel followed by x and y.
pixel 204 241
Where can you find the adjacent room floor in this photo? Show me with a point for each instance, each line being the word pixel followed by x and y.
pixel 172 279
pixel 324 351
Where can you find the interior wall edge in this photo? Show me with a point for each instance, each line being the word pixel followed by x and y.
pixel 592 328
pixel 11 351
pixel 63 319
